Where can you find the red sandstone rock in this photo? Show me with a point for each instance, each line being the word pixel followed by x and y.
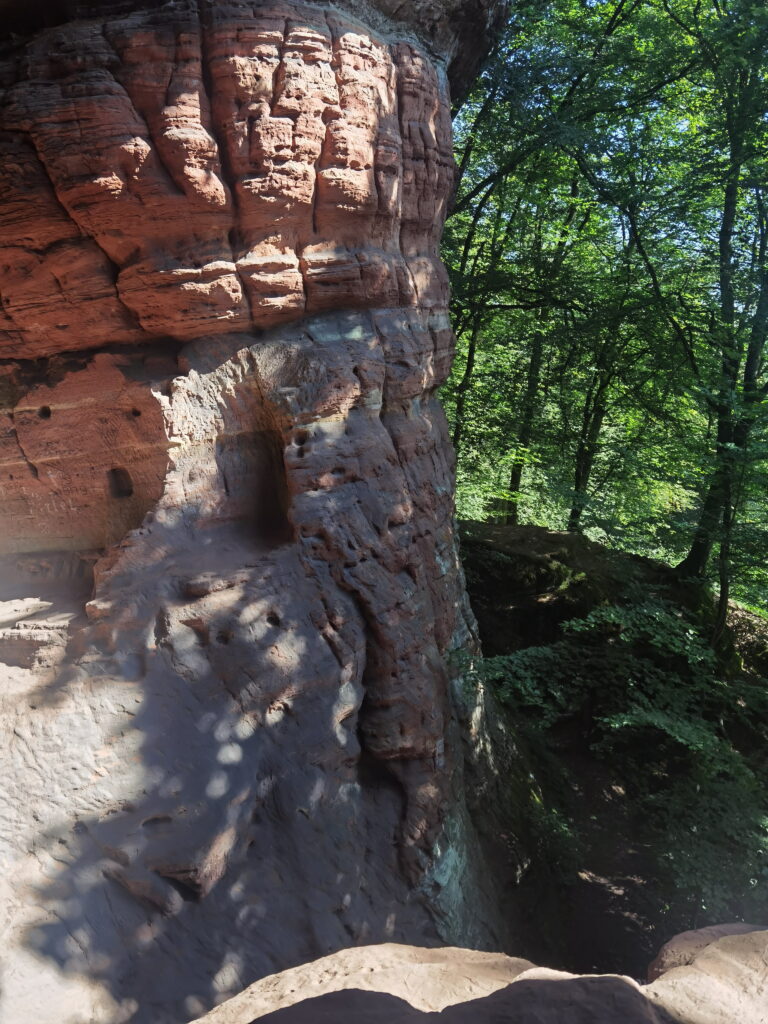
pixel 222 324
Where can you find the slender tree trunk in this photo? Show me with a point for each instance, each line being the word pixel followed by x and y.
pixel 463 387
pixel 586 450
pixel 745 418
pixel 695 563
pixel 724 569
pixel 716 508
pixel 528 411
pixel 527 421
pixel 713 510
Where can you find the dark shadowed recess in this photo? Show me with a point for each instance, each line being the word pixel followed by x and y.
pixel 21 16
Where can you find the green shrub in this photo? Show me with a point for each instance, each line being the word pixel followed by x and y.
pixel 637 685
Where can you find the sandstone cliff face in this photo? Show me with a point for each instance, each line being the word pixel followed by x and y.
pixel 229 576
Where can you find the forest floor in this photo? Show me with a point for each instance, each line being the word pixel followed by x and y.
pixel 597 896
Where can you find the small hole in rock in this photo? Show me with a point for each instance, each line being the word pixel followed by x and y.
pixel 223 636
pixel 120 483
pixel 135 412
pixel 302 436
pixel 273 619
pixel 190 893
pixel 44 412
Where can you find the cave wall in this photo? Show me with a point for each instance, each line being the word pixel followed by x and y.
pixel 229 576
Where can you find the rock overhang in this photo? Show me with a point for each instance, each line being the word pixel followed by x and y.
pixel 458 33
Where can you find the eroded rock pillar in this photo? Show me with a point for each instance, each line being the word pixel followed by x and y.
pixel 230 580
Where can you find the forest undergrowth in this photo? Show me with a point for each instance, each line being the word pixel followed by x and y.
pixel 608 254
pixel 644 750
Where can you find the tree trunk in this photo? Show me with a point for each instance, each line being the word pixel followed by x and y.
pixel 716 508
pixel 527 420
pixel 463 388
pixel 586 450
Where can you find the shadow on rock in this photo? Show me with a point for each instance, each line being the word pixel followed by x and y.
pixel 597 1000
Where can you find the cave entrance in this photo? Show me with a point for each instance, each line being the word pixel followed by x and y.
pixel 120 483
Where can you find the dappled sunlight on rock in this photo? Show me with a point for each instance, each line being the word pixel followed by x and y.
pixel 223 325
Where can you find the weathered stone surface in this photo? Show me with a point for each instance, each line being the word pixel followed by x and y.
pixel 229 575
pixel 727 982
pixel 428 979
pixel 457 32
pixel 309 171
pixel 683 949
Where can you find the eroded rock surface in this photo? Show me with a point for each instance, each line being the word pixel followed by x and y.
pixel 683 949
pixel 726 981
pixel 427 979
pixel 230 579
pixel 390 984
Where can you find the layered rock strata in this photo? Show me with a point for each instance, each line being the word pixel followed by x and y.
pixel 230 580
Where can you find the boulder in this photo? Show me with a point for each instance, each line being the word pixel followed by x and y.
pixel 428 980
pixel 726 983
pixel 685 947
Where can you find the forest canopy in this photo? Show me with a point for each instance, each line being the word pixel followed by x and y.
pixel 608 253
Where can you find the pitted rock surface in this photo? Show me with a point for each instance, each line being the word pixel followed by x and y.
pixel 229 580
